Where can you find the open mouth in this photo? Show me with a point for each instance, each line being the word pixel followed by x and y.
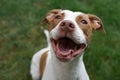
pixel 65 49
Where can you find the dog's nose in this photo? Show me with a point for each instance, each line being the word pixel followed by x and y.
pixel 67 25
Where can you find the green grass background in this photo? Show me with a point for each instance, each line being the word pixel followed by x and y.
pixel 21 36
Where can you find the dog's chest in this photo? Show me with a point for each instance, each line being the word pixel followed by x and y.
pixel 63 71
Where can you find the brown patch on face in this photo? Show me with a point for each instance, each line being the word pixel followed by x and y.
pixel 53 18
pixel 85 24
pixel 43 63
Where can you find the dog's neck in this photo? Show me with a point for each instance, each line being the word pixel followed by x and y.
pixel 72 70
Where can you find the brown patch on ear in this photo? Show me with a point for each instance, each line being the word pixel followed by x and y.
pixel 46 22
pixel 50 15
pixel 96 23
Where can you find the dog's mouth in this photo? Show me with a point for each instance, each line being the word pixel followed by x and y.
pixel 65 49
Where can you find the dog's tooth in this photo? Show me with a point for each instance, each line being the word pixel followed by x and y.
pixel 75 48
pixel 58 44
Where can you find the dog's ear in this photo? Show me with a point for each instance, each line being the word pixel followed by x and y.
pixel 50 16
pixel 96 22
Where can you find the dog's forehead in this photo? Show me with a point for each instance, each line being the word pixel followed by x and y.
pixel 71 14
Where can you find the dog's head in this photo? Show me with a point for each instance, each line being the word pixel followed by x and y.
pixel 70 32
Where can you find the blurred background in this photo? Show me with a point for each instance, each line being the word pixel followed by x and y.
pixel 21 36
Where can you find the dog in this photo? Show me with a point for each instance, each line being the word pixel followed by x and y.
pixel 68 37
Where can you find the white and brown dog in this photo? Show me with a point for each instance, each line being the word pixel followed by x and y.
pixel 70 34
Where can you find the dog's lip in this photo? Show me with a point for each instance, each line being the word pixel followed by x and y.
pixel 66 55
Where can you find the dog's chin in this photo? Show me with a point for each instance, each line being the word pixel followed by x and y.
pixel 66 49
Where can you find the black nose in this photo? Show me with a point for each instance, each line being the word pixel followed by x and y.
pixel 67 25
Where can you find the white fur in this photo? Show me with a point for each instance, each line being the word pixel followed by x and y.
pixel 55 69
pixel 47 36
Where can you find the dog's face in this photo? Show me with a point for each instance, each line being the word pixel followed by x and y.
pixel 70 32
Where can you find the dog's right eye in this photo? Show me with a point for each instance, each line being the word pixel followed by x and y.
pixel 84 22
pixel 58 17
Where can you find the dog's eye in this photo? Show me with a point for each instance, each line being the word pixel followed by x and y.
pixel 58 17
pixel 84 22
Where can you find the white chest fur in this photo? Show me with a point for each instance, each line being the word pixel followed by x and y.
pixel 57 70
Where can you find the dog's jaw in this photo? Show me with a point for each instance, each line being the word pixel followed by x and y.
pixel 65 49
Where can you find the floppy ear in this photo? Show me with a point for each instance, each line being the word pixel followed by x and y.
pixel 50 16
pixel 96 23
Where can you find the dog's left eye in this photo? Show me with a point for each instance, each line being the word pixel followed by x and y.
pixel 84 22
pixel 58 17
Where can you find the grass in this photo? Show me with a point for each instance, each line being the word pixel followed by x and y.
pixel 21 36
